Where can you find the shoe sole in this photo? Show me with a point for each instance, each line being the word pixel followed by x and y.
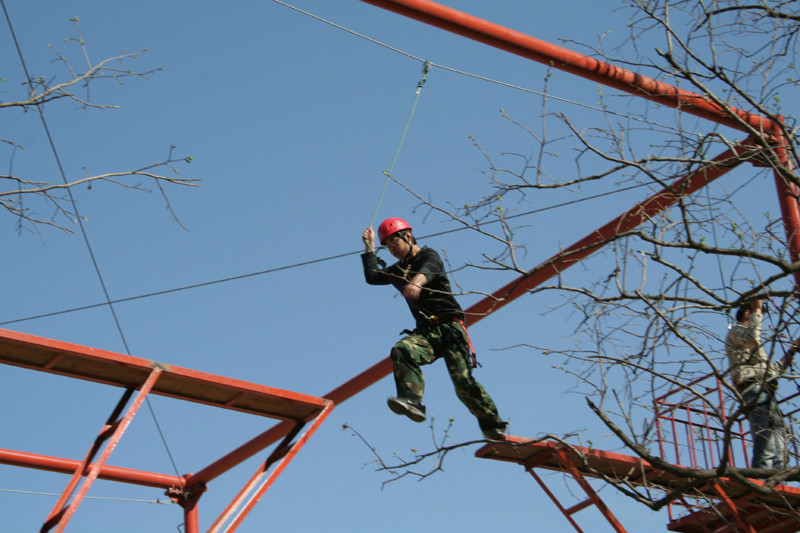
pixel 402 409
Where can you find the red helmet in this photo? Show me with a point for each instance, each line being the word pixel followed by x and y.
pixel 390 226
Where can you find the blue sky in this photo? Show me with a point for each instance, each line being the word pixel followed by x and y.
pixel 290 123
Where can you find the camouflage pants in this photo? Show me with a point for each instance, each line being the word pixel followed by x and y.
pixel 447 341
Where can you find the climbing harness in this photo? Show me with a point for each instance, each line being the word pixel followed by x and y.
pixel 435 320
pixel 426 67
pixel 475 363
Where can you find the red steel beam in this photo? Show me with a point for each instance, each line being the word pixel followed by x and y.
pixel 191 520
pixel 578 251
pixel 240 454
pixel 249 449
pixel 568 463
pixel 599 237
pixel 517 43
pixel 120 370
pixel 787 197
pixel 254 490
pixel 526 46
pixel 338 395
pixel 112 433
pixel 106 472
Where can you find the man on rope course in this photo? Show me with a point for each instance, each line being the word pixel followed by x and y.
pixel 756 379
pixel 439 333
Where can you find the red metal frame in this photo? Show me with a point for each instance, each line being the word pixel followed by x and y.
pixel 598 238
pixel 526 46
pixel 787 195
pixel 571 255
pixel 523 45
pixel 569 466
pixel 676 426
pixel 721 506
pixel 188 489
pixel 106 472
pixel 561 58
pixel 148 377
pixel 263 478
pixel 112 432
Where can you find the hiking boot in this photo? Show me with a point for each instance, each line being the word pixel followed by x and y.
pixel 495 433
pixel 413 409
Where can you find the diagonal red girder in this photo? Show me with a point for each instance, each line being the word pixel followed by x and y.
pixel 523 45
pixel 564 259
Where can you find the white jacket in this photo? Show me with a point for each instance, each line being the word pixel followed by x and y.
pixel 748 360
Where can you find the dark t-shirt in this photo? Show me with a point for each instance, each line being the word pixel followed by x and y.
pixel 436 298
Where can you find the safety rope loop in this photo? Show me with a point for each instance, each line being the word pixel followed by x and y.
pixel 426 68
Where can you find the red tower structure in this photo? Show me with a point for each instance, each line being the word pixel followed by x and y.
pixel 297 411
pixel 300 416
pixel 688 437
pixel 743 509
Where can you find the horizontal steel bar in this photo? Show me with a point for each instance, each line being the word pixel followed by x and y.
pixel 110 473
pixel 523 45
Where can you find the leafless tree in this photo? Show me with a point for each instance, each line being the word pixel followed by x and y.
pixel 18 192
pixel 650 309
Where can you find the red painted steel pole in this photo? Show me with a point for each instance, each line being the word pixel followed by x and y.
pixel 555 500
pixel 247 499
pixel 571 467
pixel 360 382
pixel 338 395
pixel 787 197
pixel 191 521
pixel 599 237
pixel 61 506
pixel 106 472
pixel 113 440
pixel 240 454
pixel 567 60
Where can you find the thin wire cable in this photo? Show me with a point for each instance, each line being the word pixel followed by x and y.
pixel 40 111
pixel 84 234
pixel 183 288
pixel 425 69
pixel 476 76
pixel 312 261
pixel 131 500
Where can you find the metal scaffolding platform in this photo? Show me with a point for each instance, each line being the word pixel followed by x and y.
pixel 121 370
pixel 687 438
pixel 294 410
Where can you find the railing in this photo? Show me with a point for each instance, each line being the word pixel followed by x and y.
pixel 691 423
